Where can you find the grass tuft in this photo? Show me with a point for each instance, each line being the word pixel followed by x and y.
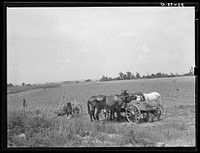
pixel 40 131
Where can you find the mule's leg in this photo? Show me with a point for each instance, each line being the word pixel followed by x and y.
pixel 112 115
pixel 118 115
pixel 97 114
pixel 93 112
pixel 105 115
pixel 91 116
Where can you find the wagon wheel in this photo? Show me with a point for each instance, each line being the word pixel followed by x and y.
pixel 77 110
pixel 133 114
pixel 157 113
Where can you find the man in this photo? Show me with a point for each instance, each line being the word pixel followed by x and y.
pixel 125 94
pixel 69 108
pixel 24 103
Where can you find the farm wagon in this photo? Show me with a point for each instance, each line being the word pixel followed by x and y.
pixel 136 111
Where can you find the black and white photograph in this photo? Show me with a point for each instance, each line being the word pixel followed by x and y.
pixel 111 76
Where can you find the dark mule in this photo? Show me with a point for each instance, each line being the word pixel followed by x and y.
pixel 124 95
pixel 95 102
pixel 114 104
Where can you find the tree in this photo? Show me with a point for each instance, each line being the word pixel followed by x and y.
pixel 10 85
pixel 158 75
pixel 102 79
pixel 138 75
pixel 88 80
pixel 23 84
pixel 128 75
pixel 110 79
pixel 121 75
pixel 124 76
pixel 117 78
pixel 164 75
pixel 172 75
pixel 132 76
pixel 153 75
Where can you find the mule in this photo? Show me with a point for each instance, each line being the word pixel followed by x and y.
pixel 112 103
pixel 109 103
pixel 154 97
pixel 94 102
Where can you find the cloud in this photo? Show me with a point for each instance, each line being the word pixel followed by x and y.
pixel 25 30
pixel 16 71
pixel 108 64
pixel 143 59
pixel 180 30
pixel 62 63
pixel 146 50
pixel 63 30
pixel 130 34
pixel 37 67
pixel 59 60
pixel 151 56
pixel 62 67
pixel 89 64
pixel 67 61
pixel 188 58
pixel 86 50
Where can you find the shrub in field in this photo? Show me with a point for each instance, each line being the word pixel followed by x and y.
pixel 41 131
pixel 16 123
pixel 31 125
pixel 138 137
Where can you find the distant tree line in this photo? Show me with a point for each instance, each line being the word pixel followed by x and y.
pixel 12 85
pixel 128 75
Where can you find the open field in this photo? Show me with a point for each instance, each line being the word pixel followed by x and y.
pixel 176 127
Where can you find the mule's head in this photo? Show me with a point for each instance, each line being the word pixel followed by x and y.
pixel 127 98
pixel 132 96
pixel 124 92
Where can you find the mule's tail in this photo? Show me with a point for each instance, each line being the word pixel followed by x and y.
pixel 88 106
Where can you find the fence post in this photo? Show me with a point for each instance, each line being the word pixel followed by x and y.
pixel 24 108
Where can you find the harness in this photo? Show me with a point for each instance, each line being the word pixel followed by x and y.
pixel 100 100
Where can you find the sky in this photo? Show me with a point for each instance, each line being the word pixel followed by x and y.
pixel 77 43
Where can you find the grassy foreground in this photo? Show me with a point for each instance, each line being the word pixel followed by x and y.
pixel 37 130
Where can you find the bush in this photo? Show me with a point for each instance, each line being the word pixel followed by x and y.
pixel 31 125
pixel 41 131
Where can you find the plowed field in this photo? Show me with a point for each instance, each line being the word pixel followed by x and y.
pixel 178 97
